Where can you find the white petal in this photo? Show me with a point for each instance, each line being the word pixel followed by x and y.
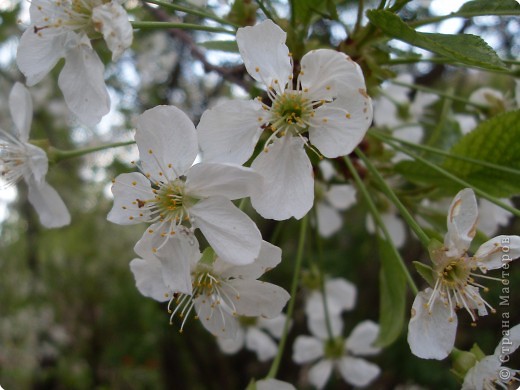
pixel 167 142
pixel 232 346
pixel 268 258
pixel 230 131
pixel 509 343
pixel 361 340
pixel 288 189
pixel 498 251
pixel 230 232
pixel 38 53
pixel 48 204
pixel 306 349
pixel 462 222
pixel 256 298
pixel 338 127
pixel 431 335
pixel 273 384
pixel 112 21
pixel 216 318
pixel 265 54
pixel 328 74
pixel 395 226
pixel 264 346
pixel 329 219
pixel 320 372
pixel 148 279
pixel 176 257
pixel 38 162
pixel 130 190
pixel 357 372
pixel 341 294
pixel 341 196
pixel 273 325
pixel 82 82
pixel 21 108
pixel 492 216
pixel 319 328
pixel 230 181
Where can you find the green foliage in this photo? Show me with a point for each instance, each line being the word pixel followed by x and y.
pixel 392 295
pixel 225 46
pixel 465 48
pixel 493 141
pixel 486 7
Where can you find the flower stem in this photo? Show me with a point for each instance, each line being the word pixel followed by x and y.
pixel 456 179
pixel 186 26
pixel 57 155
pixel 290 308
pixel 423 237
pixel 379 222
pixel 191 10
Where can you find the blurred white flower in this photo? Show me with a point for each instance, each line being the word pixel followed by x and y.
pixel 395 226
pixel 257 335
pixel 433 324
pixel 19 158
pixel 328 101
pixel 339 354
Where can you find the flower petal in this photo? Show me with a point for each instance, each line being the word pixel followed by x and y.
pixel 491 216
pixel 131 191
pixel 48 204
pixel 167 142
pixel 232 346
pixel 431 334
pixel 148 279
pixel 230 232
pixel 112 21
pixel 307 349
pixel 260 343
pixel 482 373
pixel 462 223
pixel 341 196
pixel 357 372
pixel 230 131
pixel 320 372
pixel 509 343
pixel 288 188
pixel 328 74
pixel 265 54
pixel 362 338
pixel 21 108
pixel 273 384
pixel 268 258
pixel 229 181
pixel 256 298
pixel 338 127
pixel 216 318
pixel 39 52
pixel 328 218
pixel 273 325
pixel 319 328
pixel 82 82
pixel 498 251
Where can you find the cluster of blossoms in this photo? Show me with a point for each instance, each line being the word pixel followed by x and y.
pixel 316 105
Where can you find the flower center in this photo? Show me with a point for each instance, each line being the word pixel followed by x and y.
pixel 456 273
pixel 171 201
pixel 334 348
pixel 290 112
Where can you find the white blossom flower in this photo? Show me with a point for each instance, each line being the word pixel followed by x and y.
pixel 340 296
pixel 219 291
pixel 395 226
pixel 272 384
pixel 63 29
pixel 489 372
pixel 20 159
pixel 327 101
pixel 171 191
pixel 256 334
pixel 433 324
pixel 330 202
pixel 340 354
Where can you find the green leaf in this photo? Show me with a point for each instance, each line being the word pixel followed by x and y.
pixel 465 48
pixel 227 46
pixel 392 292
pixel 494 141
pixel 307 11
pixel 425 271
pixel 487 7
